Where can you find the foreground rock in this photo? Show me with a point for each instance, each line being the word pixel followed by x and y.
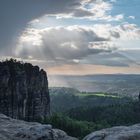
pixel 11 129
pixel 116 133
pixel 23 91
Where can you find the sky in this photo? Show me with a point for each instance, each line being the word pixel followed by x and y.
pixel 72 37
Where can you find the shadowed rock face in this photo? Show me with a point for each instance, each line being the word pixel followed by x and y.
pixel 29 131
pixel 23 91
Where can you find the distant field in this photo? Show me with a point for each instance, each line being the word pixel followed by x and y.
pixel 96 94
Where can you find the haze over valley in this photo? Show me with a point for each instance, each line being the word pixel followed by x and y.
pixel 125 85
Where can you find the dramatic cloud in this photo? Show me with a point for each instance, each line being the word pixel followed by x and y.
pixel 65 45
pixel 91 9
pixel 60 32
pixel 16 14
pixel 73 44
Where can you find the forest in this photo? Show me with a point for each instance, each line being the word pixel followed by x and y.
pixel 79 113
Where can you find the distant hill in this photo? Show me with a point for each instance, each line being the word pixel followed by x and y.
pixel 127 85
pixel 63 90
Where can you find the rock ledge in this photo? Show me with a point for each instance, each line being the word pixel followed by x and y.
pixel 12 129
pixel 116 133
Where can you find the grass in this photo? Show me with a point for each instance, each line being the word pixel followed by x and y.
pixel 96 94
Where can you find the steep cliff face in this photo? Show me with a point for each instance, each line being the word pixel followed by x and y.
pixel 23 91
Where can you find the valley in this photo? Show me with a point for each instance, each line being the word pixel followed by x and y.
pixel 86 112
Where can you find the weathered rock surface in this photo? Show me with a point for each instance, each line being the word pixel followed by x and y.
pixel 23 91
pixel 11 129
pixel 116 133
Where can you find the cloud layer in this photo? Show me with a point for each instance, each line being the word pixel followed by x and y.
pixel 74 44
pixel 90 9
pixel 16 14
pixel 102 42
pixel 61 44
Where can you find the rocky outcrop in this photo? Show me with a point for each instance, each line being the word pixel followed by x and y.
pixel 11 129
pixel 116 133
pixel 23 91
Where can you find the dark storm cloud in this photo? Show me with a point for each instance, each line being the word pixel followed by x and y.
pixel 15 14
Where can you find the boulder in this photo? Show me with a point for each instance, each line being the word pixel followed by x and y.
pixel 116 133
pixel 12 129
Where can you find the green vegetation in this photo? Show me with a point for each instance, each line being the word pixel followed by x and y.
pixel 97 94
pixel 73 127
pixel 79 122
pixel 113 115
pixel 79 114
pixel 64 101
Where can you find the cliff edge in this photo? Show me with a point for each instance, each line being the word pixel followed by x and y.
pixel 24 91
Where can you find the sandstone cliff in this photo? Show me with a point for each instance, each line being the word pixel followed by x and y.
pixel 11 129
pixel 23 91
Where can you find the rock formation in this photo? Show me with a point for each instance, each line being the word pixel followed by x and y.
pixel 23 91
pixel 11 129
pixel 116 133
